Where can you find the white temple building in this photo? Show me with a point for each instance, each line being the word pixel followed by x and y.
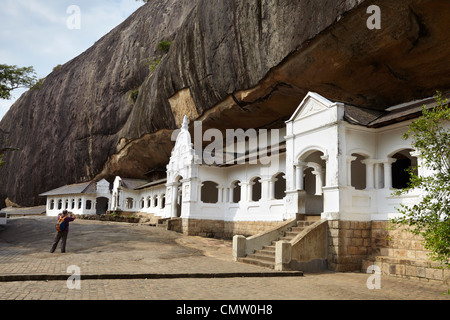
pixel 312 196
pixel 332 160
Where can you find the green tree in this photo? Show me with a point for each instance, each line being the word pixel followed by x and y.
pixel 430 217
pixel 13 77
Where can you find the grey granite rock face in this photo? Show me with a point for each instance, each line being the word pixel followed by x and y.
pixel 68 128
pixel 232 64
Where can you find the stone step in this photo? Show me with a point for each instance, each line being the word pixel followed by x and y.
pixel 266 256
pixel 297 229
pixel 269 248
pixel 258 262
pixel 291 234
pixel 266 252
pixel 304 224
pixel 263 257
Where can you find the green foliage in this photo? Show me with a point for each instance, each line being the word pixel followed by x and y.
pixel 38 84
pixel 57 68
pixel 13 77
pixel 164 46
pixel 134 94
pixel 430 217
pixel 152 63
pixel 115 214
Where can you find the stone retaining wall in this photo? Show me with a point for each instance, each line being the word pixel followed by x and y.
pixel 224 229
pixel 400 253
pixel 355 246
pixel 349 243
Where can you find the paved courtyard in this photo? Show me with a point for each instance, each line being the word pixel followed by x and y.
pixel 119 261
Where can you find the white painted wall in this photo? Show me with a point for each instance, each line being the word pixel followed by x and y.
pixel 75 203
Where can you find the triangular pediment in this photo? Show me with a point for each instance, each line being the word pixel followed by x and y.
pixel 313 103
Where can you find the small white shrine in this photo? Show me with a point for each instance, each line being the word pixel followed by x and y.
pixel 83 198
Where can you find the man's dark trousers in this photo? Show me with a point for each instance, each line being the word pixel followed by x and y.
pixel 62 235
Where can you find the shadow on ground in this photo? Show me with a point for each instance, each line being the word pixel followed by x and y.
pixel 35 235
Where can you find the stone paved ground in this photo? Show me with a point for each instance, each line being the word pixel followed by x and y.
pixel 124 249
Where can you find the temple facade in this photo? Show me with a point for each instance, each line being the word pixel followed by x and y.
pixel 332 160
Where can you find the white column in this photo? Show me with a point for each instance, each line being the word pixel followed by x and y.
pixel 174 199
pixel 219 194
pixel 119 197
pixel 266 188
pixel 299 175
pixel 250 191
pixel 319 181
pixel 244 191
pixel 378 178
pixel 388 172
pixel 369 173
pixel 272 189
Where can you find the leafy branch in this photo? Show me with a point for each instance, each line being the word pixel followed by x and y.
pixel 13 77
pixel 429 218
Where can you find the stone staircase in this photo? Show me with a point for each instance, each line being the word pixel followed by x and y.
pixel 266 256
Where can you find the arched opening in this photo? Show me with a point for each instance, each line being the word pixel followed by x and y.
pixel 129 203
pixel 177 201
pixel 314 181
pixel 80 204
pixel 358 172
pixel 88 205
pixel 256 189
pixel 163 201
pixel 401 168
pixel 210 193
pixel 72 207
pixel 155 202
pixel 52 205
pixel 280 186
pixel 149 202
pixel 236 192
pixel 102 205
pixel 59 204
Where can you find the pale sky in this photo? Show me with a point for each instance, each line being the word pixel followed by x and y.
pixel 45 33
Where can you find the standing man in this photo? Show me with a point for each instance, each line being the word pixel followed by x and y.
pixel 62 235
